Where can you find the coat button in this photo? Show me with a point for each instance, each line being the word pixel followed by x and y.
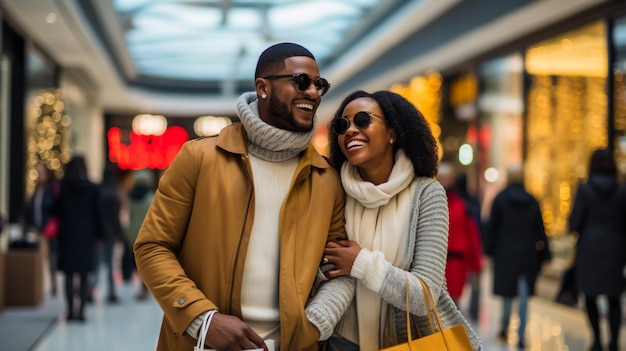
pixel 181 301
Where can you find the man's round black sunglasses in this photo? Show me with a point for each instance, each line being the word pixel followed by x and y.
pixel 303 82
pixel 361 120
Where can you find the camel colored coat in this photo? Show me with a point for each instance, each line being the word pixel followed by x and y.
pixel 191 249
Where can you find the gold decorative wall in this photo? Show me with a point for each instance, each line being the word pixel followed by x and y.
pixel 48 136
pixel 425 93
pixel 566 121
pixel 566 117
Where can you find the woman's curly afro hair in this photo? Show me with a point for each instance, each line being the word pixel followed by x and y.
pixel 411 129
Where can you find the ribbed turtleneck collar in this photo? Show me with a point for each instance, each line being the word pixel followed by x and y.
pixel 265 141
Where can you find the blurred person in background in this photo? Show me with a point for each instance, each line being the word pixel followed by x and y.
pixel 517 243
pixel 464 245
pixel 396 220
pixel 112 228
pixel 38 207
pixel 472 204
pixel 38 211
pixel 125 185
pixel 473 209
pixel 599 217
pixel 81 221
pixel 139 200
pixel 239 222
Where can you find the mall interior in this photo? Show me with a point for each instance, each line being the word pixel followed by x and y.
pixel 537 83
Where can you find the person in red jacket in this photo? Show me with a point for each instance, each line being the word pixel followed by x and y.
pixel 464 243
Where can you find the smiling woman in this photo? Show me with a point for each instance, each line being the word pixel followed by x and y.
pixel 387 157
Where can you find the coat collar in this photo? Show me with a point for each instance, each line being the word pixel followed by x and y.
pixel 233 139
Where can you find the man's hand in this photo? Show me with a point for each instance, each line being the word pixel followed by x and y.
pixel 230 333
pixel 341 254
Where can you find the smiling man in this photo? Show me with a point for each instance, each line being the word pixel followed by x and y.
pixel 236 231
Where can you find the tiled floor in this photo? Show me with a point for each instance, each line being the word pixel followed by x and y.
pixel 126 325
pixel 134 325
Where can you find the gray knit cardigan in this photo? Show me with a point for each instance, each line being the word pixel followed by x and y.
pixel 425 257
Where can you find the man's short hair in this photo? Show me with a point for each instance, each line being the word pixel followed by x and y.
pixel 275 56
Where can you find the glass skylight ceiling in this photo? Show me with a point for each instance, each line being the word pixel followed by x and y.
pixel 206 40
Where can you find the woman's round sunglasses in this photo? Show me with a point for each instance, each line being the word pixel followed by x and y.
pixel 303 82
pixel 361 120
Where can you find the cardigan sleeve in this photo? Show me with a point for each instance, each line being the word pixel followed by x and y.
pixel 429 235
pixel 324 310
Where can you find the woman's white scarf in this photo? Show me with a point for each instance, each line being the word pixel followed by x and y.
pixel 377 218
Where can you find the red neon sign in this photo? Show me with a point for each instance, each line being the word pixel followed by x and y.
pixel 146 151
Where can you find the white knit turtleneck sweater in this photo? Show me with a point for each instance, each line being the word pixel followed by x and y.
pixel 259 293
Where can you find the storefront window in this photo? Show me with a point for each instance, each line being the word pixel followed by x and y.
pixel 500 132
pixel 566 117
pixel 619 81
pixel 459 117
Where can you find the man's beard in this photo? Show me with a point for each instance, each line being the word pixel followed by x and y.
pixel 280 110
